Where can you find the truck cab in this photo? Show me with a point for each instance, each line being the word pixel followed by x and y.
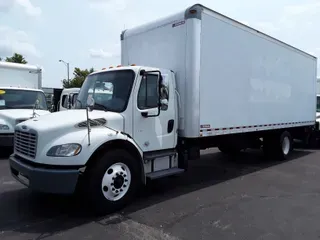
pixel 68 98
pixel 18 105
pixel 21 98
pixel 318 113
pixel 110 142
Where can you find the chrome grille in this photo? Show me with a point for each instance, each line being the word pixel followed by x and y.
pixel 25 143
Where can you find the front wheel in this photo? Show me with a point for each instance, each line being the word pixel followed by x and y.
pixel 112 181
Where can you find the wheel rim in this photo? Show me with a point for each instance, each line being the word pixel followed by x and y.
pixel 116 181
pixel 286 145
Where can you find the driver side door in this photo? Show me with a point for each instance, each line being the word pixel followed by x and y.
pixel 155 132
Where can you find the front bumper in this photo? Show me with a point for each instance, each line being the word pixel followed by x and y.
pixel 6 140
pixel 43 178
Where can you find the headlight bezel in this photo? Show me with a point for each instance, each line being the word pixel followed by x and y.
pixel 4 127
pixel 72 150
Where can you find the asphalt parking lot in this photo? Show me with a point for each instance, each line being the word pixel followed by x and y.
pixel 250 198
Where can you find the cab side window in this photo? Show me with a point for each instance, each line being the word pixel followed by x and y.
pixel 65 101
pixel 148 94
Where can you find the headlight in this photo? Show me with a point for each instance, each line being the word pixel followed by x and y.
pixel 4 127
pixel 65 150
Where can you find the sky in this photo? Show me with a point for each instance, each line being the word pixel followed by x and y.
pixel 86 33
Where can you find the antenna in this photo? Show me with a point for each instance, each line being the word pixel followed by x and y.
pixel 36 105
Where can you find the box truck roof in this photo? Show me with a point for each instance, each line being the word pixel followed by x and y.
pixel 20 66
pixel 132 67
pixel 196 11
pixel 21 88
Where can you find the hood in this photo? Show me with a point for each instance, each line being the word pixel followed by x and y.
pixel 66 121
pixel 20 113
pixel 12 117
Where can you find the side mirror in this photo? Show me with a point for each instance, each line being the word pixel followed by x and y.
pixel 90 103
pixel 36 105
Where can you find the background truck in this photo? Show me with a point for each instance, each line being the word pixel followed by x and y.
pixel 20 88
pixel 315 137
pixel 63 99
pixel 68 98
pixel 202 80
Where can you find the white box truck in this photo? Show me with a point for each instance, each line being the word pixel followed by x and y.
pixel 201 80
pixel 20 88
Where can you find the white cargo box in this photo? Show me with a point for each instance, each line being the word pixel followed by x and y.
pixel 231 78
pixel 20 75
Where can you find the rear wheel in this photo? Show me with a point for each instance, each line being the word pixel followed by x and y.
pixel 112 181
pixel 279 145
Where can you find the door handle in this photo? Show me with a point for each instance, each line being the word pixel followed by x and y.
pixel 170 125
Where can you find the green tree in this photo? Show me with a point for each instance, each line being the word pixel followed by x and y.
pixel 16 58
pixel 78 79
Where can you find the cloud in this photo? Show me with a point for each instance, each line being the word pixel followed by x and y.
pixel 108 5
pixel 298 9
pixel 6 5
pixel 26 5
pixel 18 41
pixel 100 53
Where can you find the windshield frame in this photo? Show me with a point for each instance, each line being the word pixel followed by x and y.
pixel 80 105
pixel 44 103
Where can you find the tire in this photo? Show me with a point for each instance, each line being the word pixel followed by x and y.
pixel 279 146
pixel 285 146
pixel 112 182
pixel 312 141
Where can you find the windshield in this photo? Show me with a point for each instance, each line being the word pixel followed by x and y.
pixel 110 90
pixel 318 103
pixel 21 99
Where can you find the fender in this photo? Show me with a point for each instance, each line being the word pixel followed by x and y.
pixel 119 140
